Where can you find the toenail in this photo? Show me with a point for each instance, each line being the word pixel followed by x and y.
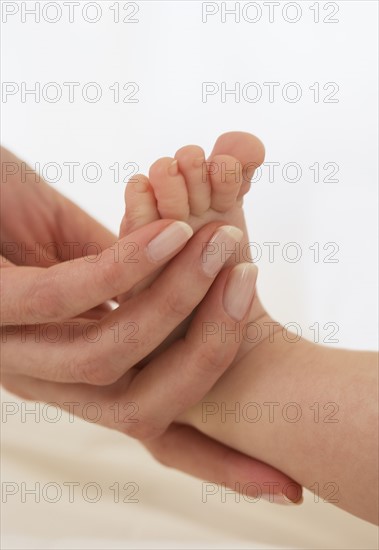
pixel 173 169
pixel 140 186
pixel 198 162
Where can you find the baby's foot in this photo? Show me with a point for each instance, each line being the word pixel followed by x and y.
pixel 183 188
pixel 190 189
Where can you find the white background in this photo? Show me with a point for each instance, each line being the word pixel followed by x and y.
pixel 169 53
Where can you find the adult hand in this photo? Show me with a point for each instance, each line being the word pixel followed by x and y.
pixel 143 402
pixel 40 291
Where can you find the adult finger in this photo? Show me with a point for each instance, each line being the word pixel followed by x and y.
pixel 36 295
pixel 188 450
pixel 45 227
pixel 181 376
pixel 181 447
pixel 124 337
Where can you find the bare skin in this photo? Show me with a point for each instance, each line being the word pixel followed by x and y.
pixel 38 289
pixel 334 442
pixel 314 415
pixel 189 188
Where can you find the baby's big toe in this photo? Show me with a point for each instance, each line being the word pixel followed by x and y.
pixel 226 178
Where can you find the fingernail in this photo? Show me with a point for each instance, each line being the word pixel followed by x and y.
pixel 281 499
pixel 169 240
pixel 239 290
pixel 222 245
pixel 173 169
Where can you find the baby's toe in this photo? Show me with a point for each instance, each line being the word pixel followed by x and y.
pixel 192 165
pixel 140 205
pixel 226 178
pixel 248 149
pixel 169 189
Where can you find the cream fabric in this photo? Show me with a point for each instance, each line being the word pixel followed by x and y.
pixel 170 512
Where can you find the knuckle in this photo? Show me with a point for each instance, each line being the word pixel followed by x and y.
pixel 111 274
pixel 176 306
pixel 208 360
pixel 45 303
pixel 94 372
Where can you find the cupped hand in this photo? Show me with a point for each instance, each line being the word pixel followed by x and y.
pixel 56 289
